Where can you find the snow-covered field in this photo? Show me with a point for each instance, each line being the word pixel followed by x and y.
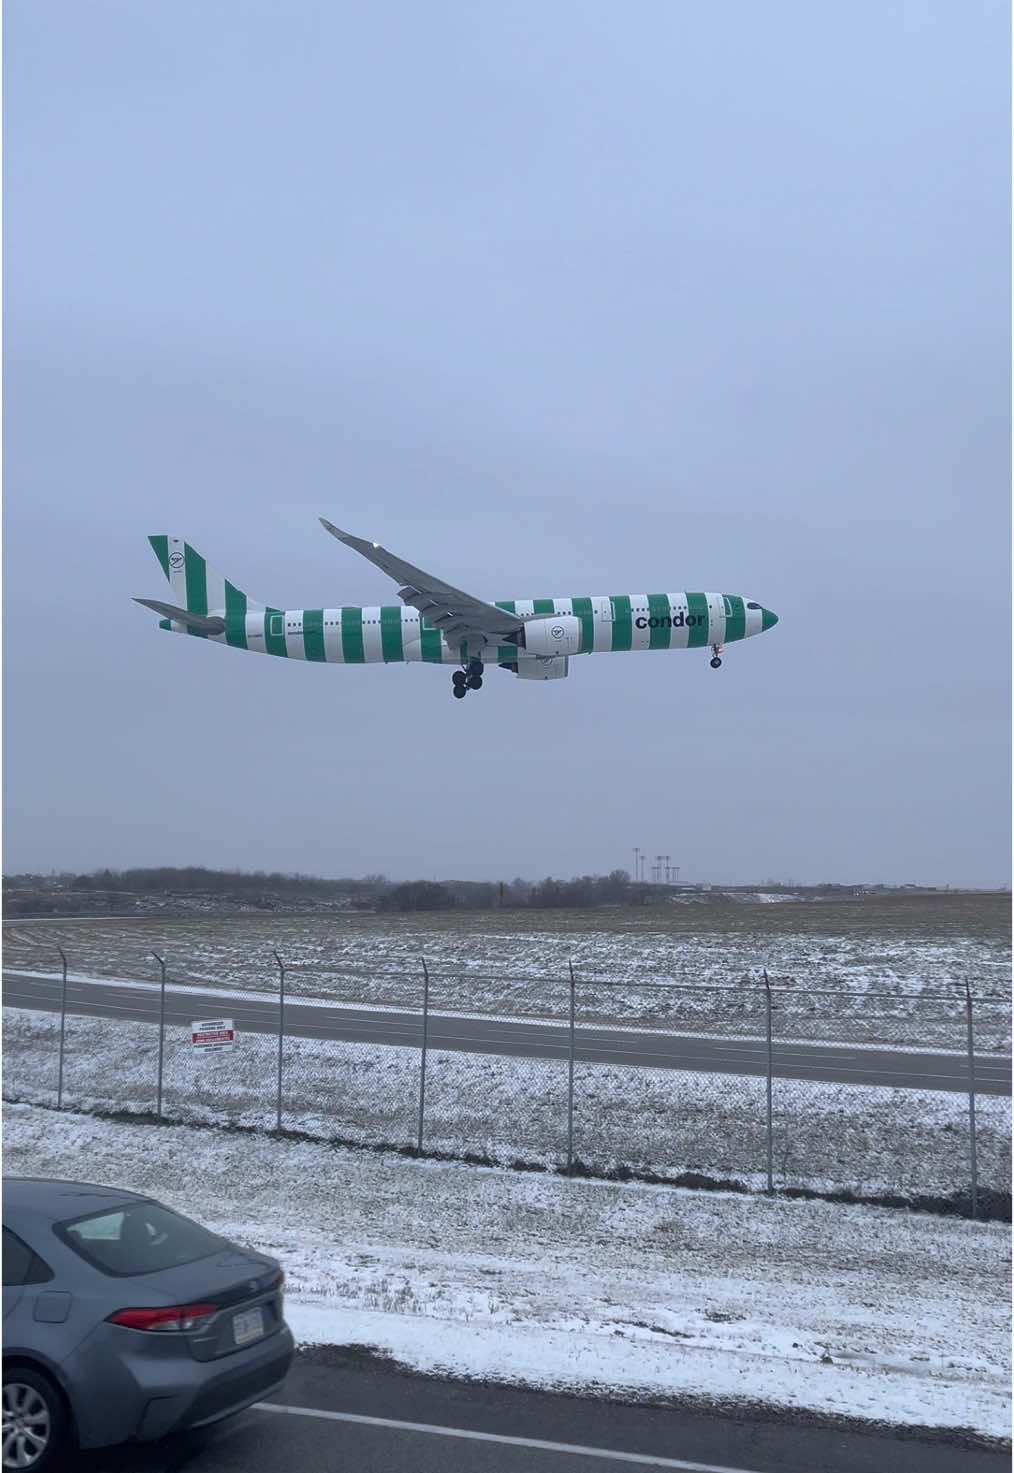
pixel 871 970
pixel 647 1291
pixel 867 1139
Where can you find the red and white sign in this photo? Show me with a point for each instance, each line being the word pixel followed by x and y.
pixel 212 1033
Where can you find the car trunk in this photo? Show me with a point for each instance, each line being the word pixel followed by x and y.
pixel 245 1289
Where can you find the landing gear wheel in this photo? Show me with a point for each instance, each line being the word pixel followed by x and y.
pixel 715 663
pixel 34 1420
pixel 470 678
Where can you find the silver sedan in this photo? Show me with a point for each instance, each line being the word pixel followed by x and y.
pixel 124 1320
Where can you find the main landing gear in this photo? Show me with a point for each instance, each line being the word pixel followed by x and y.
pixel 468 679
pixel 716 651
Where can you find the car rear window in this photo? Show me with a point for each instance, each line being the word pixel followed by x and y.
pixel 139 1239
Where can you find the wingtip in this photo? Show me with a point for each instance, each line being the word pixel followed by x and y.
pixel 330 527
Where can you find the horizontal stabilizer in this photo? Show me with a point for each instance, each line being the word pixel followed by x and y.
pixel 201 623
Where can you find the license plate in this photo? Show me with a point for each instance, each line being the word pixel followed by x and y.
pixel 248 1326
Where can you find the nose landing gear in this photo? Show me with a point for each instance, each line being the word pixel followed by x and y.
pixel 716 651
pixel 470 678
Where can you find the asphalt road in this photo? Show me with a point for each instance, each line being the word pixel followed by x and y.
pixel 637 1048
pixel 344 1410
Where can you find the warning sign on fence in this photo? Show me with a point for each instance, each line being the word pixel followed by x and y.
pixel 212 1033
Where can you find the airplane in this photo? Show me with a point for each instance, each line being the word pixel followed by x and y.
pixel 438 624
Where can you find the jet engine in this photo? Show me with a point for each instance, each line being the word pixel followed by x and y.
pixel 538 667
pixel 559 635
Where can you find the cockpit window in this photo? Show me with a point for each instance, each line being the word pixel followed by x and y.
pixel 753 606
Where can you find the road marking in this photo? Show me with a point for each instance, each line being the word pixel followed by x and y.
pixel 646 1460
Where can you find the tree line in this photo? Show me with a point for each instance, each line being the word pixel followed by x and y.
pixel 368 891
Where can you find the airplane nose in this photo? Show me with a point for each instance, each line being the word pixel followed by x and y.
pixel 768 619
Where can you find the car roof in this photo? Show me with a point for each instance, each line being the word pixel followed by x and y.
pixel 42 1197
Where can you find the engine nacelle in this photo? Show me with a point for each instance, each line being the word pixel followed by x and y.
pixel 539 667
pixel 559 635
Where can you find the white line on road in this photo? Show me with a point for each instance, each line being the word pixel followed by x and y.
pixel 646 1460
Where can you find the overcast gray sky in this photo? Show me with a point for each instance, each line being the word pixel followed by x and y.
pixel 549 299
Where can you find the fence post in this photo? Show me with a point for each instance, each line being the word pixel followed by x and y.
pixel 570 1077
pixel 425 1040
pixel 161 1036
pixel 281 1036
pixel 63 1026
pixel 767 995
pixel 971 1099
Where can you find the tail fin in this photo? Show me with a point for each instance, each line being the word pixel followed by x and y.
pixel 200 589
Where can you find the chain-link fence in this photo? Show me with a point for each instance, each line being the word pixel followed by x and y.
pixel 768 1086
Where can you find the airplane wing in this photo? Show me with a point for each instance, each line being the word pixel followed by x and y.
pixel 459 617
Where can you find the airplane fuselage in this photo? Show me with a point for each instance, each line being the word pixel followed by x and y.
pixel 382 634
pixel 438 624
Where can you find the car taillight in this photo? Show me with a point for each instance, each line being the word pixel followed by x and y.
pixel 176 1317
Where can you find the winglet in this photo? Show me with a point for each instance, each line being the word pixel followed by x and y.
pixel 360 544
pixel 372 551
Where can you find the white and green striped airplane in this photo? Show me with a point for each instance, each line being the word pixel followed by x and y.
pixel 440 625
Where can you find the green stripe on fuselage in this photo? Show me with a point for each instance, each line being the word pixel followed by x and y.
pixel 352 637
pixel 735 618
pixel 583 610
pixel 507 654
pixel 313 634
pixel 197 585
pixel 235 616
pixel 659 621
pixel 160 546
pixel 543 606
pixel 622 627
pixel 391 643
pixel 431 642
pixel 697 620
pixel 274 632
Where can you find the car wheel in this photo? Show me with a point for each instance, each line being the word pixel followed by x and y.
pixel 34 1420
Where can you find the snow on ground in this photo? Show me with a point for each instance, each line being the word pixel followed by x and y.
pixel 866 1138
pixel 587 1285
pixel 856 972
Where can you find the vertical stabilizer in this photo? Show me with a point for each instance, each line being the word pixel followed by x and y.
pixel 200 588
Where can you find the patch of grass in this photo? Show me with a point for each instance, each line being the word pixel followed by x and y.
pixel 992 1205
